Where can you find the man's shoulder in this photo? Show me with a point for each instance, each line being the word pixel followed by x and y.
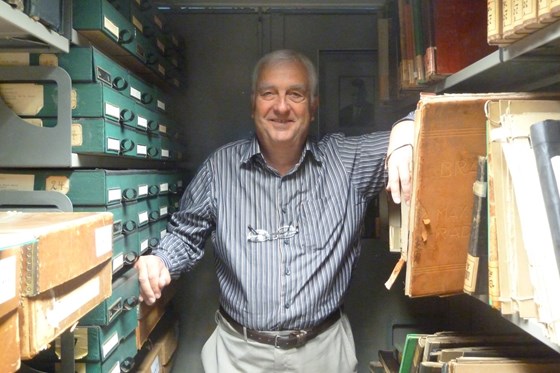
pixel 232 151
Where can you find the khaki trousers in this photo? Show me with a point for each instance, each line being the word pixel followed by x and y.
pixel 227 351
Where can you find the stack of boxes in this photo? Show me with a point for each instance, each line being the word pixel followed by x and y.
pixel 122 74
pixel 56 268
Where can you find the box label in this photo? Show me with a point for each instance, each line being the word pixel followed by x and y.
pixel 111 27
pixel 66 305
pixel 8 278
pixel 103 240
pixel 14 59
pixel 77 135
pixel 23 98
pixel 57 184
pixel 113 144
pixel 16 182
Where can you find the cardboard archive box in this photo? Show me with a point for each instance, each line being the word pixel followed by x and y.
pixel 10 273
pixel 66 271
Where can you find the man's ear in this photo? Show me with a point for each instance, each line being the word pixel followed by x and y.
pixel 253 97
pixel 314 106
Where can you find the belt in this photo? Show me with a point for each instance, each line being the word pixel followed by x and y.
pixel 296 338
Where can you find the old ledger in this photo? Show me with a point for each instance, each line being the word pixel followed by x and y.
pixel 450 135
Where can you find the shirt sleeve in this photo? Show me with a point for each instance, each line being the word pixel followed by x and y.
pixel 364 159
pixel 409 116
pixel 183 245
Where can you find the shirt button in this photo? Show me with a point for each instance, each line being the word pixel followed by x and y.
pixel 288 272
pixel 286 242
pixel 287 305
pixel 284 210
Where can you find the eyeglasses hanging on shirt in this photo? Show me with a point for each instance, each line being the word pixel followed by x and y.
pixel 260 235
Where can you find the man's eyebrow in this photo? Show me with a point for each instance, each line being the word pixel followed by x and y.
pixel 300 87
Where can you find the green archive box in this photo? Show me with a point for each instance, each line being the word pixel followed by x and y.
pixel 146 183
pixel 84 187
pixel 105 137
pixel 101 23
pixel 146 119
pixel 124 296
pixel 102 341
pixel 122 360
pixel 145 239
pixel 88 64
pixel 158 207
pixel 141 91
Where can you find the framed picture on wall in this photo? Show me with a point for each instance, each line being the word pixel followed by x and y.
pixel 355 101
pixel 347 91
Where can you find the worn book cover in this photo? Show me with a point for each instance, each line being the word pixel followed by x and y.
pixel 450 135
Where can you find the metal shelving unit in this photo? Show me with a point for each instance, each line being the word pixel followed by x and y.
pixel 19 32
pixel 529 64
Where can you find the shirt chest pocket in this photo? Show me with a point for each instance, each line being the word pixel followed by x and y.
pixel 322 222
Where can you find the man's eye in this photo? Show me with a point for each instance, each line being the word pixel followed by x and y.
pixel 296 96
pixel 267 95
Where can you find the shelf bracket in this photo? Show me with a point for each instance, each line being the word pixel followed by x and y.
pixel 25 145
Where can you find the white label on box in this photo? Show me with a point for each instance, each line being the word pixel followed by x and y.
pixel 111 27
pixel 8 278
pixel 14 59
pixel 165 153
pixel 160 45
pixel 143 245
pixel 141 149
pixel 16 182
pixel 162 128
pixel 142 217
pixel 70 303
pixel 110 344
pixel 161 105
pixel 48 59
pixel 135 93
pixel 118 262
pixel 77 134
pixel 116 368
pixel 163 233
pixel 57 183
pixel 103 240
pixel 136 22
pixel 158 22
pixel 163 211
pixel 113 144
pixel 142 122
pixel 113 111
pixel 23 98
pixel 37 122
pixel 114 195
pixel 164 187
pixel 155 367
pixel 73 99
pixel 142 190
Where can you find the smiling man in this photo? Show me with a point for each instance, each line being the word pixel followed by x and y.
pixel 285 213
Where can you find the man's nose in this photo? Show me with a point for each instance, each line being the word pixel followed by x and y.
pixel 282 103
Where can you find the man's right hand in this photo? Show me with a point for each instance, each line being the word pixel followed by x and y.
pixel 153 276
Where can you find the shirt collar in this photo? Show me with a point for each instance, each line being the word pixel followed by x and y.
pixel 253 150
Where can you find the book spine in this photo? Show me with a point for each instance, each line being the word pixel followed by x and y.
pixel 545 139
pixel 476 273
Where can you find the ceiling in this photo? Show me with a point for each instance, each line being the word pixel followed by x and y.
pixel 186 5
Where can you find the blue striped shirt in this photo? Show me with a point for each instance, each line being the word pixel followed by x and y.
pixel 283 283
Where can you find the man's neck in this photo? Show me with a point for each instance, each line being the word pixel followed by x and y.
pixel 283 159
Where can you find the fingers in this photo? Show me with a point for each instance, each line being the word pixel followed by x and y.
pixel 153 276
pixel 399 170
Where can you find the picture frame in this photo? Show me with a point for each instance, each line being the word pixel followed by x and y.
pixel 344 75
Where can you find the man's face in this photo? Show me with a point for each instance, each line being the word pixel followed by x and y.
pixel 282 105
